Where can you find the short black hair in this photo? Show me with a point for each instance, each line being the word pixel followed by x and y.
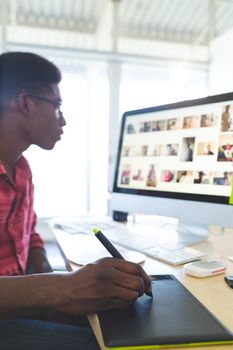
pixel 25 72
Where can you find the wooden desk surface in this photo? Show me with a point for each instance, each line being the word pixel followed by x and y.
pixel 213 292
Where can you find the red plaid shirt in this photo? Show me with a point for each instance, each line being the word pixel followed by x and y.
pixel 17 219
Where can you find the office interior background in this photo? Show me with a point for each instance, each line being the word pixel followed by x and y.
pixel 115 56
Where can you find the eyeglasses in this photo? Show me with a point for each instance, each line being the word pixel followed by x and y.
pixel 57 103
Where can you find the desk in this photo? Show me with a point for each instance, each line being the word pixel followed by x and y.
pixel 213 292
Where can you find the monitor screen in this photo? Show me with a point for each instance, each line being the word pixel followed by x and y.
pixel 179 151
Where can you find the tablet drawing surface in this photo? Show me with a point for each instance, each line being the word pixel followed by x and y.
pixel 173 317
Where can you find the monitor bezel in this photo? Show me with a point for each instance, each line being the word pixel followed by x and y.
pixel 165 194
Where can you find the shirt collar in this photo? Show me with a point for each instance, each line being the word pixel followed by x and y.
pixel 22 168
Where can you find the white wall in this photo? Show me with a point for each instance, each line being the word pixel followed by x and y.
pixel 221 64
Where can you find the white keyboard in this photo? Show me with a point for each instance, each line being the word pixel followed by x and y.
pixel 156 246
pixel 178 256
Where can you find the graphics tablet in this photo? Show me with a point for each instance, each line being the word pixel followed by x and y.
pixel 173 318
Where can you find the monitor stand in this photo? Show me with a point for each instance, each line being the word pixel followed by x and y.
pixel 180 232
pixel 191 233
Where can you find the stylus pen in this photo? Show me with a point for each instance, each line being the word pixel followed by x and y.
pixel 111 249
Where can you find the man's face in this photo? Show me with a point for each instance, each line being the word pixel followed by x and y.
pixel 46 121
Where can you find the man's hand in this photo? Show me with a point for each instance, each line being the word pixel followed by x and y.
pixel 38 262
pixel 108 283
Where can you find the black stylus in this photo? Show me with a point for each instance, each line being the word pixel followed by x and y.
pixel 111 249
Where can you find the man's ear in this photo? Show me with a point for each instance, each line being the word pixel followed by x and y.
pixel 25 104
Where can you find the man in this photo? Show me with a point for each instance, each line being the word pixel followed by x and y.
pixel 209 151
pixel 170 150
pixel 30 113
pixel 25 119
pixel 226 118
pixel 187 155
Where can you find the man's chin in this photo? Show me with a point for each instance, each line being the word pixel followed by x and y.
pixel 48 146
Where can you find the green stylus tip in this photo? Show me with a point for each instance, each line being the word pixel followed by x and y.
pixel 95 230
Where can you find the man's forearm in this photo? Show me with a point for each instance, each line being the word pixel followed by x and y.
pixel 108 283
pixel 25 295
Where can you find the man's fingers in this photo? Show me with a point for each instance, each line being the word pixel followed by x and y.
pixel 134 269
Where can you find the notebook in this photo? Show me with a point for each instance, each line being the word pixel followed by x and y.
pixel 173 318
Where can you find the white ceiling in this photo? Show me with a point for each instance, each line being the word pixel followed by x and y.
pixel 188 21
pixel 103 24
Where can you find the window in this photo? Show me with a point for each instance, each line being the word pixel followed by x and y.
pixel 147 85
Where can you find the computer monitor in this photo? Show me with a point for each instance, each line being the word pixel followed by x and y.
pixel 176 160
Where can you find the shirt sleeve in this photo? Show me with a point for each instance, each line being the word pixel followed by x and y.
pixel 36 241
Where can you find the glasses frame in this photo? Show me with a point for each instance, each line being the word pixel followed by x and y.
pixel 57 103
